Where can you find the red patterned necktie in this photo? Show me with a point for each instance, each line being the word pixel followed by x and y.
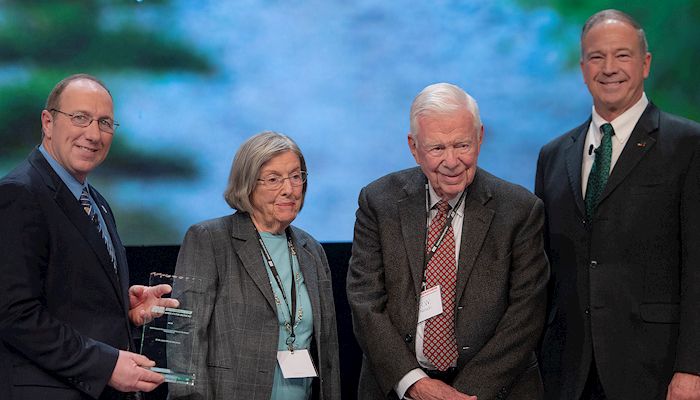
pixel 439 342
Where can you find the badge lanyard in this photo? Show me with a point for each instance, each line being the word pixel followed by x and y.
pixel 293 308
pixel 450 216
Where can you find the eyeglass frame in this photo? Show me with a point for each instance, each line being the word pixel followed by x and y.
pixel 265 181
pixel 72 117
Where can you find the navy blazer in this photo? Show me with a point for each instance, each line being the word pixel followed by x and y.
pixel 63 311
pixel 626 284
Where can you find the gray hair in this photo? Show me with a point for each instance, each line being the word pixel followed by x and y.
pixel 615 15
pixel 442 98
pixel 248 162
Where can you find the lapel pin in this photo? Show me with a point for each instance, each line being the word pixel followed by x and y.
pixel 642 144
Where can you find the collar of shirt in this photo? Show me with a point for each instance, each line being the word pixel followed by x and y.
pixel 623 124
pixel 73 185
pixel 434 199
pixel 457 221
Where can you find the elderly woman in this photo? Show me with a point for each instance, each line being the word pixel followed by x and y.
pixel 267 301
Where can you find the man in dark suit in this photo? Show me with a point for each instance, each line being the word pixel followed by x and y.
pixel 622 201
pixel 65 307
pixel 448 272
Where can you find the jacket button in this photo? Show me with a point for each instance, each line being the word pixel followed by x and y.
pixel 594 264
pixel 408 338
pixel 587 311
pixel 465 347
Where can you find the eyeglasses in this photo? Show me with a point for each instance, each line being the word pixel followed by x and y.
pixel 275 181
pixel 82 120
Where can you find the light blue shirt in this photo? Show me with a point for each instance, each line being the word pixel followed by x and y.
pixel 75 187
pixel 296 388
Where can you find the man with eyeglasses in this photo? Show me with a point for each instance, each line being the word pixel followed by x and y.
pixel 66 309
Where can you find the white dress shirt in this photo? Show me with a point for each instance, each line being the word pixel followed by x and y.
pixel 623 126
pixel 414 375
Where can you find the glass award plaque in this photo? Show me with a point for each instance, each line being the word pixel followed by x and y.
pixel 168 338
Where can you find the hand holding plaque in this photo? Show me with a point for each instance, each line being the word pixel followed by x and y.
pixel 169 324
pixel 146 302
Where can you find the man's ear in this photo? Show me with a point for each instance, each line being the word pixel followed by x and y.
pixel 46 123
pixel 413 146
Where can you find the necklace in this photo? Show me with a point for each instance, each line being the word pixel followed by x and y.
pixel 296 277
pixel 300 309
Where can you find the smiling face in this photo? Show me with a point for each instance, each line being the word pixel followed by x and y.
pixel 275 209
pixel 614 67
pixel 446 147
pixel 78 150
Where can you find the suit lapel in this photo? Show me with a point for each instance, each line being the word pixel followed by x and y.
pixel 574 160
pixel 307 264
pixel 75 214
pixel 639 143
pixel 477 220
pixel 413 219
pixel 248 250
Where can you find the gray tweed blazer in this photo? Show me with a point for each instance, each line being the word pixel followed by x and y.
pixel 236 333
pixel 501 281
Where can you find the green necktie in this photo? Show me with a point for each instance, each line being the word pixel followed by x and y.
pixel 600 170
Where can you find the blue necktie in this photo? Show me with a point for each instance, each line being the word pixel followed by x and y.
pixel 86 203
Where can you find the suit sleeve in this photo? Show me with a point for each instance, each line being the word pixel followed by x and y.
pixel 26 323
pixel 195 260
pixel 508 353
pixel 382 343
pixel 328 347
pixel 688 347
pixel 539 175
pixel 542 166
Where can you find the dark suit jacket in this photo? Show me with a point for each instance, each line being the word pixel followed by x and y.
pixel 63 312
pixel 501 282
pixel 625 285
pixel 236 328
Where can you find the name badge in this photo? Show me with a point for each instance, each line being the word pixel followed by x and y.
pixel 430 303
pixel 297 364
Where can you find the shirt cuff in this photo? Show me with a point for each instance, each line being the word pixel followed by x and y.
pixel 408 380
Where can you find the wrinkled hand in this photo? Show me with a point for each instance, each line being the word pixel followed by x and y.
pixel 684 387
pixel 433 389
pixel 129 374
pixel 142 299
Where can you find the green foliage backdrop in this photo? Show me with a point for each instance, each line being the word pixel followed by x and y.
pixel 47 40
pixel 673 32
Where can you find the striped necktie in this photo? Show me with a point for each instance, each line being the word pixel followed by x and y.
pixel 86 203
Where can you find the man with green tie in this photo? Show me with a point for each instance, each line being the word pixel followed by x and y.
pixel 622 200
